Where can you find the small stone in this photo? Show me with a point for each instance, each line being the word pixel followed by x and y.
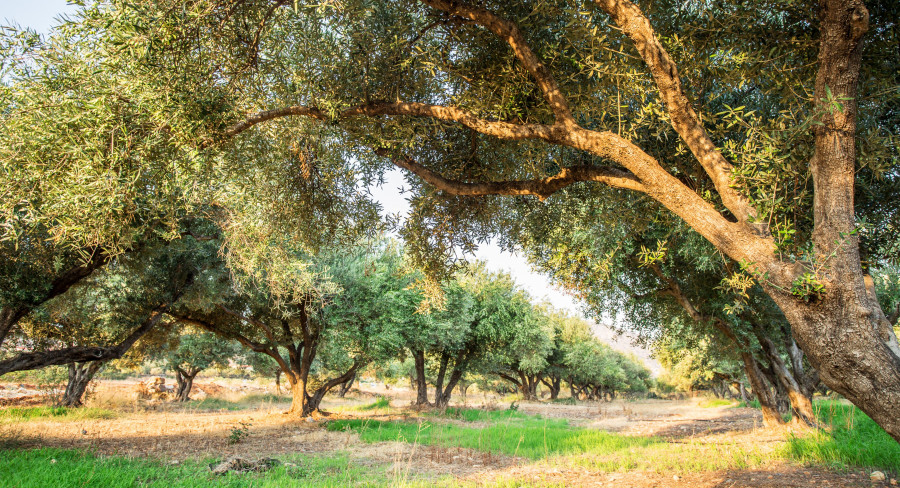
pixel 877 476
pixel 53 461
pixel 676 477
pixel 310 419
pixel 893 482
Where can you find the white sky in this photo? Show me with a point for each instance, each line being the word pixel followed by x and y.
pixel 41 15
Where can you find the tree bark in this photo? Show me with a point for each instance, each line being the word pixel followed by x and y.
pixel 528 386
pixel 184 380
pixel 443 399
pixel 421 383
pixel 554 384
pixel 439 382
pixel 771 417
pixel 80 375
pixel 742 391
pixel 314 401
pixel 345 386
pixel 801 404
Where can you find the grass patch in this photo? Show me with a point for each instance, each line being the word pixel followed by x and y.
pixel 68 468
pixel 380 403
pixel 556 441
pixel 855 440
pixel 559 443
pixel 24 414
pixel 715 402
pixel 528 437
pixel 753 404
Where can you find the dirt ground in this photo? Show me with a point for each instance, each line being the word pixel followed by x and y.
pixel 174 433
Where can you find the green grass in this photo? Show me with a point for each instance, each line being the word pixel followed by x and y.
pixel 753 404
pixel 715 402
pixel 24 414
pixel 379 404
pixel 527 437
pixel 66 468
pixel 854 441
pixel 557 442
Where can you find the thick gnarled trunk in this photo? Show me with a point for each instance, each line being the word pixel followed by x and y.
pixel 184 381
pixel 554 384
pixel 80 376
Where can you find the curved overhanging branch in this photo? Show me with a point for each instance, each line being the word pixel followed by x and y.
pixel 81 354
pixel 737 240
pixel 685 121
pixel 539 187
pixel 510 33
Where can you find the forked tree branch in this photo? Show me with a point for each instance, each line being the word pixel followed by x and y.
pixel 510 33
pixel 685 121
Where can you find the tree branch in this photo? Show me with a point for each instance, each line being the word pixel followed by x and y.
pixel 80 354
pixel 510 33
pixel 250 320
pixel 685 121
pixel 277 113
pixel 541 187
pixel 358 363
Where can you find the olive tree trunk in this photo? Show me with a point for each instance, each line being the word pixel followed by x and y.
pixel 80 375
pixel 421 382
pixel 184 382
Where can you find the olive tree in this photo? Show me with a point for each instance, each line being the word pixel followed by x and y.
pixel 527 98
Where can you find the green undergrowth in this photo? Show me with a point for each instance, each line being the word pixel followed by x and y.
pixel 24 414
pixel 68 468
pixel 854 440
pixel 380 403
pixel 753 404
pixel 556 442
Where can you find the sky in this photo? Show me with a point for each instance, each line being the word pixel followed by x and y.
pixel 41 15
